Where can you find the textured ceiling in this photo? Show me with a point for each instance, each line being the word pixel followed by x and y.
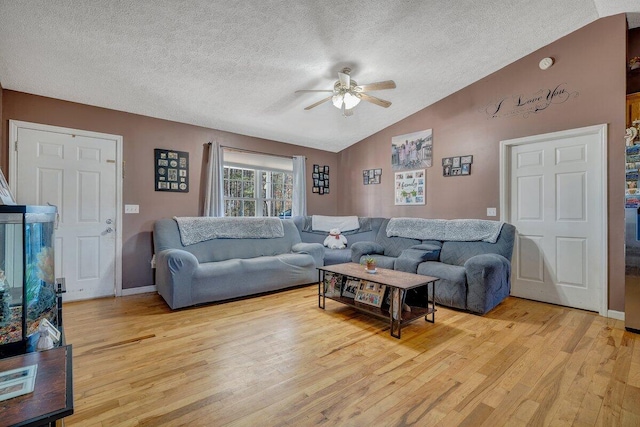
pixel 235 66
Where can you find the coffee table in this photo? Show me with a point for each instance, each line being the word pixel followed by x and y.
pixel 397 283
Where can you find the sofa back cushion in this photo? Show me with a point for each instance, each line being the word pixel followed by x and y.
pixel 167 236
pixel 393 246
pixel 367 235
pixel 457 253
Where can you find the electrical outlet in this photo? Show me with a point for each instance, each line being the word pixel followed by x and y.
pixel 131 209
pixel 491 212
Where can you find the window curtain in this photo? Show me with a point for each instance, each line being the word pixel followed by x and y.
pixel 214 194
pixel 299 197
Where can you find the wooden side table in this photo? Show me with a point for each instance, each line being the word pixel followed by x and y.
pixel 52 397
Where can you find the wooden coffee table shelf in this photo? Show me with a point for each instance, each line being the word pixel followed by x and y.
pixel 397 282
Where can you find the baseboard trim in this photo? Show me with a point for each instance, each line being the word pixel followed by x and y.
pixel 139 290
pixel 613 314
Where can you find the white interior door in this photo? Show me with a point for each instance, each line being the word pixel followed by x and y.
pixel 556 198
pixel 77 173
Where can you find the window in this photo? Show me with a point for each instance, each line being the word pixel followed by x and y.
pixel 255 192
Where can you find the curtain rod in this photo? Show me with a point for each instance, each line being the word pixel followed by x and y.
pixel 243 150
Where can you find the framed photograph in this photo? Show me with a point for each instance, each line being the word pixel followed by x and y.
pixel 365 180
pixel 466 160
pixel 412 150
pixel 17 382
pixel 314 176
pixel 169 165
pixel 54 333
pixel 447 161
pixel 316 168
pixel 465 169
pixel 326 184
pixel 446 171
pixel 456 162
pixel 410 187
pixel 351 287
pixel 455 171
pixel 333 284
pixel 326 170
pixel 6 197
pixel 321 190
pixel 377 172
pixel 370 293
pixel 315 190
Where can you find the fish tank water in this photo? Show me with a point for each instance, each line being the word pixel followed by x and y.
pixel 27 278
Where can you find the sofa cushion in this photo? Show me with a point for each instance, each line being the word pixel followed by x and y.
pixel 457 253
pixel 451 289
pixel 216 281
pixel 393 246
pixel 336 256
pixel 168 237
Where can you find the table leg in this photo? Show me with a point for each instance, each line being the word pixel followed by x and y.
pixel 395 311
pixel 431 303
pixel 321 290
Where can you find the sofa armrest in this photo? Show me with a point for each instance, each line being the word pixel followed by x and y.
pixel 488 281
pixel 316 250
pixel 174 272
pixel 358 249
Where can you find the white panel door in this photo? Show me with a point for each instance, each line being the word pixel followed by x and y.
pixel 77 174
pixel 556 201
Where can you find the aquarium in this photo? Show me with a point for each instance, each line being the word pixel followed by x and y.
pixel 27 279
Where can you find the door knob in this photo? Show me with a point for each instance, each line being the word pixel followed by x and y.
pixel 109 221
pixel 108 230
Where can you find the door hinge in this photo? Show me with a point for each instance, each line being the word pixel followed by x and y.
pixel 15 145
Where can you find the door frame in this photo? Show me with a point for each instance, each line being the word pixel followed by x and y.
pixel 14 125
pixel 505 190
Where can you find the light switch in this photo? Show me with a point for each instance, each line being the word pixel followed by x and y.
pixel 491 212
pixel 131 209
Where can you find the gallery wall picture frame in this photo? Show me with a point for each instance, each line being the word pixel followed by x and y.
pixel 171 170
pixel 371 176
pixel 457 166
pixel 320 177
pixel 412 150
pixel 410 187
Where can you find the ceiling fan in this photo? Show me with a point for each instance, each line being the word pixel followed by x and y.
pixel 346 93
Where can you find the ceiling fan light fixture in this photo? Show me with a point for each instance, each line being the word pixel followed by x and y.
pixel 349 99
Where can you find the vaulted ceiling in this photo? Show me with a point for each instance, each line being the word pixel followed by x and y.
pixel 235 66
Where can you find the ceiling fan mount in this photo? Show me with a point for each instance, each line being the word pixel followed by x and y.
pixel 346 93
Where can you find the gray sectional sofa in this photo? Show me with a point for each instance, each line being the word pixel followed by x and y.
pixel 224 268
pixel 474 275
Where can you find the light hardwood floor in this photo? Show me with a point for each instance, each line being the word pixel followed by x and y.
pixel 279 360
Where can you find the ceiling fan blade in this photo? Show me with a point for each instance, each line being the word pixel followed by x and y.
pixel 314 90
pixel 322 101
pixel 389 84
pixel 345 80
pixel 374 100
